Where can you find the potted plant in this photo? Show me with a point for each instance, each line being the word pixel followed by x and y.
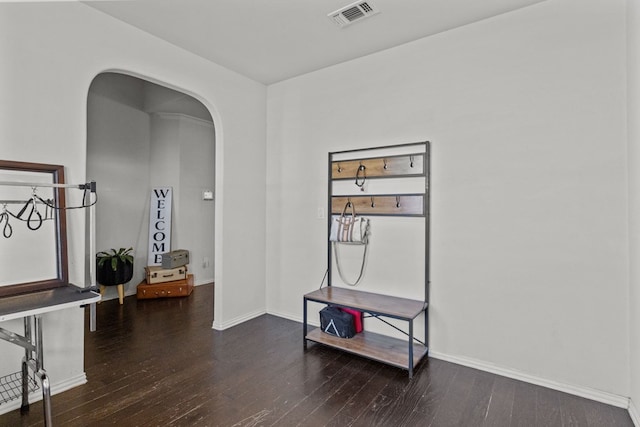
pixel 114 268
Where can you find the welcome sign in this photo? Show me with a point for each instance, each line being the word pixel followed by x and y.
pixel 159 224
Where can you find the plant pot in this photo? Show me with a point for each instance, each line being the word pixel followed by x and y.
pixel 106 276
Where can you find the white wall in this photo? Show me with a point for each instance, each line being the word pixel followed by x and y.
pixel 118 145
pixel 196 217
pixel 182 149
pixel 526 112
pixel 50 54
pixel 633 126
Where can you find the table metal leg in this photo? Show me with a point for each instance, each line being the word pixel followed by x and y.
pixel 42 374
pixel 304 323
pixel 92 317
pixel 25 367
pixel 46 397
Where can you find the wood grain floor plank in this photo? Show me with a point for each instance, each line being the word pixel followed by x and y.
pixel 376 380
pixel 474 410
pixel 408 394
pixel 523 413
pixel 548 407
pixel 440 380
pixel 375 413
pixel 500 405
pixel 449 412
pixel 572 411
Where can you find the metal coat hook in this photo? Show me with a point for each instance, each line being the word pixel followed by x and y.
pixel 397 201
pixel 373 204
pixel 362 168
pixel 410 161
pixel 339 168
pixel 348 202
pixel 385 164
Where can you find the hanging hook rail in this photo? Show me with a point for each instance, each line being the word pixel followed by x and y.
pixel 411 204
pixel 401 166
pixel 35 218
pixel 90 185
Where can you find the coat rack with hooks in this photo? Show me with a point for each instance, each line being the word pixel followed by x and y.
pixel 348 165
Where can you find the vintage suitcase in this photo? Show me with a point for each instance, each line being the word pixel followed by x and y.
pixel 178 288
pixel 157 274
pixel 175 259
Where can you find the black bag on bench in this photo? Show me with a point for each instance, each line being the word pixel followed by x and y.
pixel 334 321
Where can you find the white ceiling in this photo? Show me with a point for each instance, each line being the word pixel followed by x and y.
pixel 272 40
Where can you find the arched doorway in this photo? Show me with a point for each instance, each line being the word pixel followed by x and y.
pixel 141 136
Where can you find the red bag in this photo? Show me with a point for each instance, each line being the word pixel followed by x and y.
pixel 357 318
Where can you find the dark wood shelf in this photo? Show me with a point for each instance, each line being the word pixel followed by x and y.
pixel 374 346
pixel 399 308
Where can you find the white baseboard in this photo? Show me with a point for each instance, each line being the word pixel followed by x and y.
pixel 236 321
pixel 586 392
pixel 36 396
pixel 633 412
pixel 287 316
pixel 203 282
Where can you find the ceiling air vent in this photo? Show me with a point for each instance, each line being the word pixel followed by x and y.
pixel 353 12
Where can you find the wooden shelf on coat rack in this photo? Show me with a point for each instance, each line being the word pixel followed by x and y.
pixel 381 204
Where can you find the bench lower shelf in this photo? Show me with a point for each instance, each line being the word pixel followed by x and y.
pixel 374 346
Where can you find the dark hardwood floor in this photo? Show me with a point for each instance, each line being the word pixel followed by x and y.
pixel 159 363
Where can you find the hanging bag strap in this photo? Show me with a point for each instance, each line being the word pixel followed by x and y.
pixel 342 276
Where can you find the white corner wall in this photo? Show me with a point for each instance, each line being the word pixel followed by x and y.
pixel 633 126
pixel 50 54
pixel 118 143
pixel 526 112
